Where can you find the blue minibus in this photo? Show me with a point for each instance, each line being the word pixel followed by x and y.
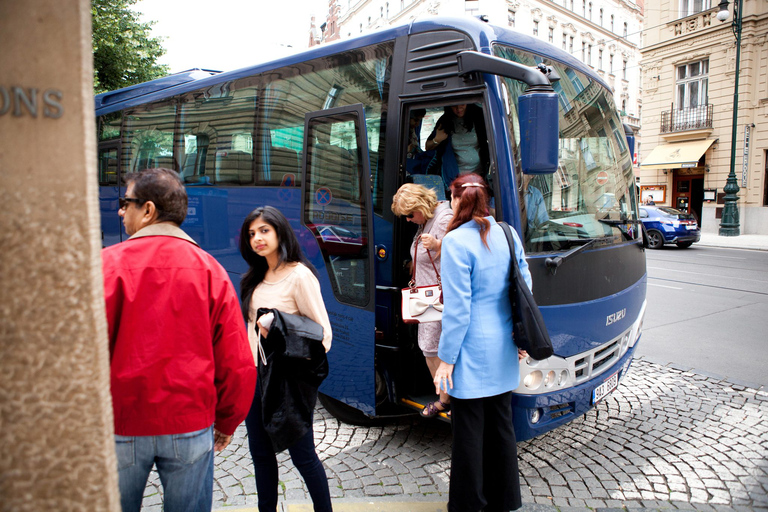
pixel 323 135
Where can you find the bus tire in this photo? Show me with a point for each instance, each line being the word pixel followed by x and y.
pixel 346 413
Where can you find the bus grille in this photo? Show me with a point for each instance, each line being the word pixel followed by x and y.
pixel 593 363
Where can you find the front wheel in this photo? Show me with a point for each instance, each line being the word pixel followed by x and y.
pixel 655 239
pixel 346 413
pixel 684 245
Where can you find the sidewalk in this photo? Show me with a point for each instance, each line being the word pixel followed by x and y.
pixel 756 242
pixel 426 505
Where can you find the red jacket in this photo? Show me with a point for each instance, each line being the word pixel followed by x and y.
pixel 180 358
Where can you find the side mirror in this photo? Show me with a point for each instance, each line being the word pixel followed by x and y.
pixel 539 147
pixel 538 107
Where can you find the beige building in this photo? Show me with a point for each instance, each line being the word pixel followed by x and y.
pixel 689 65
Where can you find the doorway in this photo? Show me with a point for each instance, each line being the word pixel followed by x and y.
pixel 688 193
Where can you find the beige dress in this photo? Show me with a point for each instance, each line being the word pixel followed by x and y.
pixel 429 332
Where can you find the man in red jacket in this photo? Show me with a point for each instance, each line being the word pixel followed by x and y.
pixel 182 371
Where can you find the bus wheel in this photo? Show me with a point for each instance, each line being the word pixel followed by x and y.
pixel 346 413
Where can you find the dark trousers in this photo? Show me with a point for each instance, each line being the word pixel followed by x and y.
pixel 484 472
pixel 302 453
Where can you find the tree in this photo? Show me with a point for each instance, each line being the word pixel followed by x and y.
pixel 124 53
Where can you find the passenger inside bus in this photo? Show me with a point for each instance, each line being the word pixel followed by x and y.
pixel 460 142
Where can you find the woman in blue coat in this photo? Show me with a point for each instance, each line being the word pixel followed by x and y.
pixel 479 361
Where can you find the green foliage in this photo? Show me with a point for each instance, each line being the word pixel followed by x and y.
pixel 124 53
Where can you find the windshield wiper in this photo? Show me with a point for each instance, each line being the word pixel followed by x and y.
pixel 617 222
pixel 553 263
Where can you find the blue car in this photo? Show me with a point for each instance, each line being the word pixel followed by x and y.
pixel 664 225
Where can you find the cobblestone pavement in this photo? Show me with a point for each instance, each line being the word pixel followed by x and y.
pixel 666 438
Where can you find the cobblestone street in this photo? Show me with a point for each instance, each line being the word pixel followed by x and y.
pixel 667 438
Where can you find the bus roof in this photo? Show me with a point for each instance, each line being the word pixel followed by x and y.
pixel 483 34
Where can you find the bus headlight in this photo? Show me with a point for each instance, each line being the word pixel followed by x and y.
pixel 533 379
pixel 562 378
pixel 549 379
pixel 535 416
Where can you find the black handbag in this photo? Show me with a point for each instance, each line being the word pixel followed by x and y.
pixel 527 323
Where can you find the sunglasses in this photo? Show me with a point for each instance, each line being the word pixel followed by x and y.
pixel 125 201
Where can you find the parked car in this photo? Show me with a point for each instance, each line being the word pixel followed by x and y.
pixel 664 225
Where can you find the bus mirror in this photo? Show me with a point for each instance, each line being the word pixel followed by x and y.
pixel 539 131
pixel 630 139
pixel 476 62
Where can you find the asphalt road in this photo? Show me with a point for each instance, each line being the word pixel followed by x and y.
pixel 708 310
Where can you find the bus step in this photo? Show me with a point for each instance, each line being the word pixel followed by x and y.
pixel 420 402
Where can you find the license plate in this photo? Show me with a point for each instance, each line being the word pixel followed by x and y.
pixel 605 388
pixel 690 226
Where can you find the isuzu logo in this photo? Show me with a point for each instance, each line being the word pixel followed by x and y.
pixel 615 317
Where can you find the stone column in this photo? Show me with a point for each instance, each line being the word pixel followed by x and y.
pixel 55 406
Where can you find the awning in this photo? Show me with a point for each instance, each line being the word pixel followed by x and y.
pixel 677 154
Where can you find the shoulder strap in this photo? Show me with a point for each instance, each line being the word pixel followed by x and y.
pixel 412 283
pixel 511 241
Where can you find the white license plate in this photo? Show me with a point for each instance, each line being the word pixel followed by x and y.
pixel 690 226
pixel 605 388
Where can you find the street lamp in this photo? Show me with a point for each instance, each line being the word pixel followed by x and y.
pixel 729 224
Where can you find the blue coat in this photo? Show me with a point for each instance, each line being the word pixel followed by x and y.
pixel 477 315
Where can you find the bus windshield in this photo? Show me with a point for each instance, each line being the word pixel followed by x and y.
pixel 592 195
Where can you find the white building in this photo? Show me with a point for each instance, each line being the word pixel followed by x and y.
pixel 606 34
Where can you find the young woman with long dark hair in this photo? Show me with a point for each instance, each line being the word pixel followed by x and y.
pixel 279 277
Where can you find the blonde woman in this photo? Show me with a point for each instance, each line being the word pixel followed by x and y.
pixel 419 205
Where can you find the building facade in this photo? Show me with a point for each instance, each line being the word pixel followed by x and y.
pixel 689 67
pixel 606 34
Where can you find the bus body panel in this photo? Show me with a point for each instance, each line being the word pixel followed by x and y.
pixel 578 328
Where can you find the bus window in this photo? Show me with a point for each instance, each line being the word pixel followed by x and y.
pixel 334 203
pixel 217 132
pixel 588 197
pixel 148 138
pixel 109 126
pixel 358 78
pixel 108 165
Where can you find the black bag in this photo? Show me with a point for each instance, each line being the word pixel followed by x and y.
pixel 527 323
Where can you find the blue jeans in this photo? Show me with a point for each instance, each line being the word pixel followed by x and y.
pixel 184 463
pixel 303 455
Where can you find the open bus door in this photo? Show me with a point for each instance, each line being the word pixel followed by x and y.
pixel 337 210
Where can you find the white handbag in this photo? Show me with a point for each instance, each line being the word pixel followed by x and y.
pixel 422 303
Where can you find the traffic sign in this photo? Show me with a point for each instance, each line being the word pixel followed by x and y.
pixel 323 196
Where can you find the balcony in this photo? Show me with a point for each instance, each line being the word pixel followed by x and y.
pixel 631 120
pixel 687 119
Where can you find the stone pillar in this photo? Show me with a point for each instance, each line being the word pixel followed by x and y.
pixel 55 406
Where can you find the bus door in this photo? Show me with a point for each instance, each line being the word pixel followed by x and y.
pixel 109 191
pixel 337 210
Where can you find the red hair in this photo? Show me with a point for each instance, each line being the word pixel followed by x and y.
pixel 472 193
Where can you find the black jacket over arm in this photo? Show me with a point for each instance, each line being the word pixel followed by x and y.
pixel 296 366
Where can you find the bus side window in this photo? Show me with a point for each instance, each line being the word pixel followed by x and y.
pixel 148 138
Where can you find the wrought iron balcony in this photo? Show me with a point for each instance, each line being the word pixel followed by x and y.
pixel 680 120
